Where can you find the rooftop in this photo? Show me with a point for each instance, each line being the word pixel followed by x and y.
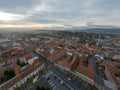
pixel 87 71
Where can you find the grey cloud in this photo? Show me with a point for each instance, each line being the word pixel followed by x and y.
pixel 17 6
pixel 64 11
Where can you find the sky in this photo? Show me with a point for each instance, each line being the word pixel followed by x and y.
pixel 58 13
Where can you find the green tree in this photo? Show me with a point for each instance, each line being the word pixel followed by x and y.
pixel 37 88
pixel 47 88
pixel 31 80
pixel 17 88
pixel 42 88
pixel 8 74
pixel 93 87
pixel 21 63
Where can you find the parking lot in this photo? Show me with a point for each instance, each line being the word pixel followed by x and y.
pixel 56 83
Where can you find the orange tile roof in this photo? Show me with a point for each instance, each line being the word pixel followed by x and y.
pixel 28 66
pixel 87 71
pixel 37 62
pixel 69 65
pixel 14 80
pixel 17 48
pixel 112 71
pixel 27 56
pixel 93 47
pixel 56 55
pixel 17 69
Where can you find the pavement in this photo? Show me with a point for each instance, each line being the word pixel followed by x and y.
pixel 58 72
pixel 97 78
pixel 42 82
pixel 64 77
pixel 55 83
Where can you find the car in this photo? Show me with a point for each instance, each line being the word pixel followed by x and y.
pixel 63 84
pixel 69 79
pixel 52 85
pixel 54 88
pixel 60 82
pixel 49 81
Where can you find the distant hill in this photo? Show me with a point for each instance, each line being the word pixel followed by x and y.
pixel 98 30
pixel 102 31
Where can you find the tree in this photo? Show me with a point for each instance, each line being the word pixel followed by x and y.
pixel 1 80
pixel 37 88
pixel 93 87
pixel 42 88
pixel 31 80
pixel 8 74
pixel 17 88
pixel 21 63
pixel 47 88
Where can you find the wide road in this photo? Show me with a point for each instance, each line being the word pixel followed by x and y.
pixel 64 77
pixel 58 72
pixel 42 82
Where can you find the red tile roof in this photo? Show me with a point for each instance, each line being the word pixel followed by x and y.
pixel 93 47
pixel 17 69
pixel 27 56
pixel 69 65
pixel 14 80
pixel 37 62
pixel 87 71
pixel 56 55
pixel 112 72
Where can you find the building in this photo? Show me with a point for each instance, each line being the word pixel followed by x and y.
pixel 55 56
pixel 94 48
pixel 68 63
pixel 85 70
pixel 22 75
pixel 112 77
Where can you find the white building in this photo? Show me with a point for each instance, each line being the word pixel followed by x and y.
pixel 30 61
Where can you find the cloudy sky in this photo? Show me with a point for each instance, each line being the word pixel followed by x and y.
pixel 58 13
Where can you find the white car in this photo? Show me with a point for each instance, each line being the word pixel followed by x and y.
pixel 50 83
pixel 54 88
pixel 69 79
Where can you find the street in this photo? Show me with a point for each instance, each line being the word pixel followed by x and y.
pixel 58 72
